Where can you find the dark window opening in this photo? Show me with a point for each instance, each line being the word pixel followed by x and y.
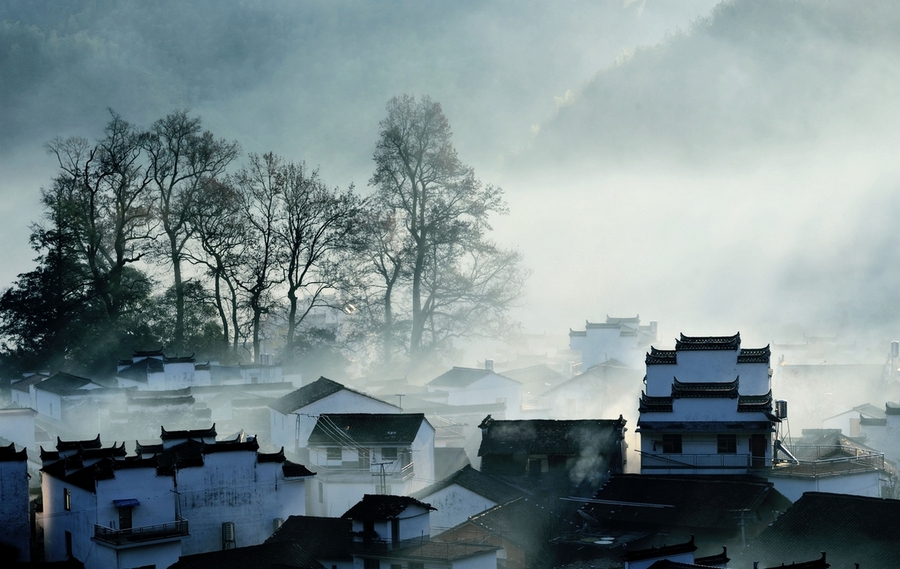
pixel 67 499
pixel 389 453
pixel 727 444
pixel 671 444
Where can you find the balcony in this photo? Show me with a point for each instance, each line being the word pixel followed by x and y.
pixel 684 463
pixel 817 461
pixel 393 472
pixel 139 535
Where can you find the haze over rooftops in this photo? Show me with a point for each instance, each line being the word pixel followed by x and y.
pixel 475 481
pixel 310 393
pixel 462 377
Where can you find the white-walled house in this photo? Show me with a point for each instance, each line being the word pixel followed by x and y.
pixel 707 408
pixel 17 425
pixel 849 421
pixel 620 339
pixel 154 371
pixel 187 494
pixel 462 387
pixel 56 396
pixel 14 512
pixel 22 389
pixel 355 454
pixel 465 493
pixel 293 416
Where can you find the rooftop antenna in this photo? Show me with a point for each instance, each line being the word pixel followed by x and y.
pixel 400 397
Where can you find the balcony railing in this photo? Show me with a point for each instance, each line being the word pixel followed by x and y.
pixel 681 462
pixel 178 528
pixel 392 471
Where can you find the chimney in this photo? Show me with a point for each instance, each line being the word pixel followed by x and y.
pixel 489 364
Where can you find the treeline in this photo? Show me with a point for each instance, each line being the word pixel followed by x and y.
pixel 163 237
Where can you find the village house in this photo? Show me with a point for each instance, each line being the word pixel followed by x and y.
pixel 22 389
pixel 620 339
pixel 707 408
pixel 110 510
pixel 849 421
pixel 600 390
pixel 294 415
pixel 15 541
pixel 465 493
pixel 883 433
pixel 155 371
pixel 464 387
pixel 355 454
pixel 551 454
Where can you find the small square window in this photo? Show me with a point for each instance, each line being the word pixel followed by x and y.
pixel 389 453
pixel 727 444
pixel 671 444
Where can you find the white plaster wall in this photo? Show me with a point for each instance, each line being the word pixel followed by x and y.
pixel 233 487
pixel 423 458
pixel 14 513
pixel 861 484
pixel 490 389
pixel 22 398
pixel 178 375
pixel 48 404
pixel 454 506
pixel 161 555
pixel 601 344
pixel 155 493
pixel 699 366
pixel 885 438
pixel 414 523
pixel 79 520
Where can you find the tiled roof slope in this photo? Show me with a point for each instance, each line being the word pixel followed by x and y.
pixel 382 507
pixel 482 484
pixel 319 389
pixel 547 436
pixel 266 555
pixel 461 377
pixel 366 428
pixel 322 538
pixel 688 502
pixel 62 383
pixel 851 529
pixel 522 521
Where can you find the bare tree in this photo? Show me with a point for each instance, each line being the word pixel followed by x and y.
pixel 454 273
pixel 260 186
pixel 181 157
pixel 315 232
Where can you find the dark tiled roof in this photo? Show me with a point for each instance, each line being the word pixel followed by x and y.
pixel 193 434
pixel 482 484
pixel 680 501
pixel 137 371
pixel 263 556
pixel 664 551
pixel 522 521
pixel 382 507
pixel 891 408
pixel 441 551
pixel 547 436
pixel 691 343
pixel 271 457
pixel 682 389
pixel 9 454
pixel 62 383
pixel 322 538
pixel 754 355
pixel 319 389
pixel 366 428
pixel 660 357
pixel 851 529
pixel 461 377
pixel 24 384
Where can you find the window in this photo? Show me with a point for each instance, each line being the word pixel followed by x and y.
pixel 370 563
pixel 333 453
pixel 67 499
pixel 727 444
pixel 321 493
pixel 389 453
pixel 68 544
pixel 671 444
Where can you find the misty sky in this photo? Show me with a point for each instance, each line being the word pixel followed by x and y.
pixel 715 169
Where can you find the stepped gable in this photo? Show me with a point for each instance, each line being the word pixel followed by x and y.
pixel 237 444
pixel 756 403
pixel 183 455
pixel 140 449
pixel 9 454
pixel 705 389
pixel 891 408
pixel 49 455
pixel 375 507
pixel 62 445
pixel 295 470
pixel 179 359
pixel 651 404
pixel 754 355
pixel 271 457
pixel 475 481
pixel 714 560
pixel 661 552
pixel 188 434
pixel 360 428
pixel 660 357
pixel 691 343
